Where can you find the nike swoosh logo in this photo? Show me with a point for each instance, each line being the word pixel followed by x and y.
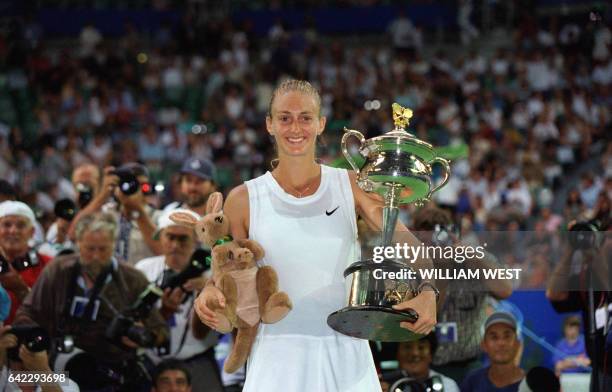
pixel 328 213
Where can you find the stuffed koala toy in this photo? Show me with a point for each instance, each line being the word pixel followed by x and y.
pixel 251 293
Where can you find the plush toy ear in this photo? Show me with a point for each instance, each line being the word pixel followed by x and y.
pixel 253 246
pixel 214 203
pixel 184 218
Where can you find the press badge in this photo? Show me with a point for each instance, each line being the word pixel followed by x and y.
pixel 79 304
pixel 447 332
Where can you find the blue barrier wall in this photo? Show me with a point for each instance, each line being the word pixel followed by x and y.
pixel 328 20
pixel 539 317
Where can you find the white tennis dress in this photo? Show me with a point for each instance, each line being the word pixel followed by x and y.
pixel 309 241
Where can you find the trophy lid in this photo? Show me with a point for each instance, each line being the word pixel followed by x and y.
pixel 399 138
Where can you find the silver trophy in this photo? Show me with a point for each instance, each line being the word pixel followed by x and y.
pixel 398 166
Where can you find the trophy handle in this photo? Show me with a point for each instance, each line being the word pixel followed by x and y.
pixel 349 158
pixel 446 168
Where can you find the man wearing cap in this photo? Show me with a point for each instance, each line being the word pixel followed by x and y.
pixel 197 182
pixel 136 218
pixel 190 340
pixel 19 263
pixel 501 344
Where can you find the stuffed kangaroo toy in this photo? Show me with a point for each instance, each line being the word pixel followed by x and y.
pixel 251 293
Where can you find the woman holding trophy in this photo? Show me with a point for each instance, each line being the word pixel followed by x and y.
pixel 304 215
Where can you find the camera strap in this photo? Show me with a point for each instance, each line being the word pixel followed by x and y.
pixel 189 297
pixel 24 262
pixel 95 291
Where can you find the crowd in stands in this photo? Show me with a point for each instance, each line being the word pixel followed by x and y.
pixel 527 127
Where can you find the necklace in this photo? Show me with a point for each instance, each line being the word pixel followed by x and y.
pixel 295 192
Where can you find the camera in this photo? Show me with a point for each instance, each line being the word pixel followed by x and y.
pixel 65 209
pixel 30 259
pixel 129 184
pixel 408 384
pixel 585 235
pixel 147 299
pixel 124 324
pixel 33 337
pixel 85 192
pixel 195 268
pixel 444 235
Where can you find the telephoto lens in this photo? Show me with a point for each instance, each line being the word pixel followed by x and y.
pixel 85 194
pixel 584 235
pixel 128 183
pixel 65 209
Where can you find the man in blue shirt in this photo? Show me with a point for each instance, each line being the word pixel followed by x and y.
pixel 501 344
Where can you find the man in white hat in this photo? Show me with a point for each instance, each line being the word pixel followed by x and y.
pixel 20 265
pixel 190 340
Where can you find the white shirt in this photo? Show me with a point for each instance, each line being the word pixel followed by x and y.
pixel 180 323
pixel 449 384
pixel 309 248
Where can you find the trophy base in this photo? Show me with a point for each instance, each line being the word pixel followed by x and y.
pixel 373 322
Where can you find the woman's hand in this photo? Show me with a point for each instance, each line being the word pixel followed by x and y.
pixel 425 306
pixel 210 294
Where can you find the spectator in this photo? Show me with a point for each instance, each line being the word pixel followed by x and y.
pixel 197 182
pixel 79 295
pixel 89 38
pixel 590 186
pixel 172 376
pixel 405 37
pixel 462 311
pixel 414 359
pixel 7 191
pixel 571 355
pixel 501 344
pixel 190 340
pixel 468 31
pixel 23 264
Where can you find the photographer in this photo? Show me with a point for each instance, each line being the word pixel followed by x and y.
pixel 26 360
pixel 82 295
pixel 190 340
pixel 414 360
pixel 462 311
pixel 128 186
pixel 20 265
pixel 584 264
pixel 86 184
